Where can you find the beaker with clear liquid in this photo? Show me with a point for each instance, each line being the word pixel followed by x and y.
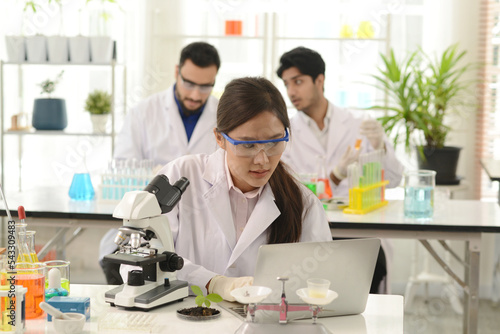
pixel 419 194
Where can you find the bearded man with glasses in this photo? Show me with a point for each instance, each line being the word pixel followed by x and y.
pixel 179 120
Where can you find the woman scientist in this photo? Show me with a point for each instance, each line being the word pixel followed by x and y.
pixel 241 196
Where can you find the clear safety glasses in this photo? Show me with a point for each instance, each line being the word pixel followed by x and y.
pixel 250 148
pixel 189 85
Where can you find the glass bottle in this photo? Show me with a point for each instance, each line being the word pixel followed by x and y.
pixel 22 249
pixel 31 256
pixel 324 189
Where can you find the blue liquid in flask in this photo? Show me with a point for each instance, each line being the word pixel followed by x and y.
pixel 81 187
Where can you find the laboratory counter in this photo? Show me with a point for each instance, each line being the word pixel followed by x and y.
pixel 383 314
pixel 55 203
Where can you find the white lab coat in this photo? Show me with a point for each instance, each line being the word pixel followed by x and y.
pixel 202 224
pixel 304 148
pixel 154 130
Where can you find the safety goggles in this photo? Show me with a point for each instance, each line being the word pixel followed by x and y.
pixel 189 85
pixel 250 148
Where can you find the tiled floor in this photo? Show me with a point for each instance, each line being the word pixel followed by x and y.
pixel 437 317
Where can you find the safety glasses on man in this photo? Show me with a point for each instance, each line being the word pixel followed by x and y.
pixel 250 148
pixel 189 85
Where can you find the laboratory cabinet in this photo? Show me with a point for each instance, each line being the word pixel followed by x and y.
pixel 55 152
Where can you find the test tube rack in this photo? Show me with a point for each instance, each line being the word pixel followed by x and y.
pixel 114 186
pixel 366 184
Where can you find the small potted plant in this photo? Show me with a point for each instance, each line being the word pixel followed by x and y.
pixel 50 113
pixel 201 312
pixel 98 104
pixel 423 93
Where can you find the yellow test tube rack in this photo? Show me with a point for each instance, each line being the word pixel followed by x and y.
pixel 365 199
pixel 366 184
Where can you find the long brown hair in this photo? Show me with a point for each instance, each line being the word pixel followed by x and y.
pixel 243 99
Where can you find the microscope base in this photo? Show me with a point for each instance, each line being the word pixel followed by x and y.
pixel 156 296
pixel 289 328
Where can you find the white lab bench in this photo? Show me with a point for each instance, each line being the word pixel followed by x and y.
pixel 383 314
pixel 464 220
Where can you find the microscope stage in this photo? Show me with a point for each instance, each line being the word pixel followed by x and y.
pixel 135 260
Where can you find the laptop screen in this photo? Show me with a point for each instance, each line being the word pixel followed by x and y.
pixel 348 264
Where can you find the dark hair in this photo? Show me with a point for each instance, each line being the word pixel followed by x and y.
pixel 308 61
pixel 201 54
pixel 243 99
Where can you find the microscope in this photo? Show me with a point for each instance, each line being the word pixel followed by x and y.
pixel 145 241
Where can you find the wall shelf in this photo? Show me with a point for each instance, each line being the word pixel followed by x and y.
pixel 32 132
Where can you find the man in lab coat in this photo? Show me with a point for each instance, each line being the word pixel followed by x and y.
pixel 323 129
pixel 179 120
pixel 171 123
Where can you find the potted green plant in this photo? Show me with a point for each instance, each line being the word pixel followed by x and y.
pixel 50 113
pixel 423 92
pixel 201 312
pixel 98 104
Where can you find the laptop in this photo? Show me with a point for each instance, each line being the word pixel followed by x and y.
pixel 348 264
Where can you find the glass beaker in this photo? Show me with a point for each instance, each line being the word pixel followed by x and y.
pixel 81 187
pixel 419 193
pixel 309 180
pixel 28 255
pixel 32 277
pixel 63 267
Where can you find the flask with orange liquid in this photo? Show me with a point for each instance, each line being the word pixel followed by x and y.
pixel 323 188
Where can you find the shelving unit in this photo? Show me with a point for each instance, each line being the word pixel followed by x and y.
pixel 326 46
pixel 32 132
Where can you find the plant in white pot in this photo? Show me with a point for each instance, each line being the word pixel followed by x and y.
pixel 98 104
pixel 36 45
pixel 57 46
pixel 423 93
pixel 101 44
pixel 50 113
pixel 16 43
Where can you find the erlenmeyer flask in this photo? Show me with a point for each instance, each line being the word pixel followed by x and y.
pixel 81 186
pixel 324 190
pixel 29 236
pixel 23 253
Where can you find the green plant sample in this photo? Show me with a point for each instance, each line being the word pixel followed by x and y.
pixel 201 299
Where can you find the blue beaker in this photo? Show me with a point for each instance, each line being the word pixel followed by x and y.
pixel 81 187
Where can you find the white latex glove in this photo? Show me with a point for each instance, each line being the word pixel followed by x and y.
pixel 372 129
pixel 350 155
pixel 223 285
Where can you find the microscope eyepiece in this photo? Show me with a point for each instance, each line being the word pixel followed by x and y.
pixel 166 194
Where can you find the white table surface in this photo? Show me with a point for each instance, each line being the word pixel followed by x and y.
pixel 383 314
pixel 464 220
pixel 461 215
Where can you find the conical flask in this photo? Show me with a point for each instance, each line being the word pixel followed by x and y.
pixel 23 253
pixel 81 188
pixel 30 255
pixel 324 189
